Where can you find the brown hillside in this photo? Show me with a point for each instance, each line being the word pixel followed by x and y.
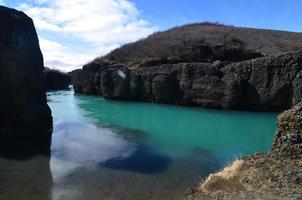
pixel 207 42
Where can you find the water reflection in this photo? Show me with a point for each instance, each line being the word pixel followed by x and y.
pixel 78 145
pixel 178 130
pixel 120 150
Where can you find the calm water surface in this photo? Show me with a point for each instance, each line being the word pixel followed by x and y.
pixel 123 150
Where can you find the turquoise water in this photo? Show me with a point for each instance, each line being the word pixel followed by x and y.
pixel 126 150
pixel 113 150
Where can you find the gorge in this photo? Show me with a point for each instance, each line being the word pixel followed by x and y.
pixel 132 147
pixel 206 65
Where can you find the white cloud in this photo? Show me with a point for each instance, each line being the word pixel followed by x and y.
pixel 99 25
pixel 61 57
pixel 2 2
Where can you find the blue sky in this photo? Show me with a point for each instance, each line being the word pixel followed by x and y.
pixel 274 14
pixel 73 32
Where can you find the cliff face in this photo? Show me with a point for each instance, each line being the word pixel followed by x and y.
pixel 266 83
pixel 273 175
pixel 202 65
pixel 56 80
pixel 23 106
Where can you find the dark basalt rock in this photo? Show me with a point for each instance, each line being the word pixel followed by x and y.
pixel 72 75
pixel 87 81
pixel 269 83
pixel 56 80
pixel 23 107
pixel 206 65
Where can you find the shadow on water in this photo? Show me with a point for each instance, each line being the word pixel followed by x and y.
pixel 24 168
pixel 143 160
pixel 24 148
pixel 132 135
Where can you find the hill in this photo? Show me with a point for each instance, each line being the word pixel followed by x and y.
pixel 207 42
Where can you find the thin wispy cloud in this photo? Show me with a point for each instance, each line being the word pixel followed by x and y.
pixel 91 28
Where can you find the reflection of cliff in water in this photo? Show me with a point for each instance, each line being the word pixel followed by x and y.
pixel 24 168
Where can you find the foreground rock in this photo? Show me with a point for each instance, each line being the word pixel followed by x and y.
pixel 273 175
pixel 202 65
pixel 23 107
pixel 56 80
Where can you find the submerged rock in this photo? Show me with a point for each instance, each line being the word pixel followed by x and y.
pixel 23 107
pixel 56 80
pixel 273 175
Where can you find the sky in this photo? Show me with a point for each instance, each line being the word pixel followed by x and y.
pixel 74 32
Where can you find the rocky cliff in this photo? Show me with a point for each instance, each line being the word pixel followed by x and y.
pixel 266 83
pixel 56 80
pixel 202 65
pixel 23 106
pixel 273 175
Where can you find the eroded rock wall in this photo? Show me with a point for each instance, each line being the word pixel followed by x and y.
pixel 268 83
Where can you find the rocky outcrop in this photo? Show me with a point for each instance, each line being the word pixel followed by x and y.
pixel 23 107
pixel 273 175
pixel 56 80
pixel 72 75
pixel 288 139
pixel 267 83
pixel 207 65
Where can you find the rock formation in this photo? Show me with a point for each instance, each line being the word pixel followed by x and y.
pixel 72 75
pixel 202 65
pixel 273 175
pixel 23 107
pixel 266 83
pixel 56 80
